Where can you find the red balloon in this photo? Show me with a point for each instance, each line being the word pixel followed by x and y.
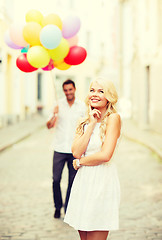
pixel 23 64
pixel 76 55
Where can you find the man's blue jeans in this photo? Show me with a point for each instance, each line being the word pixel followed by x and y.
pixel 59 160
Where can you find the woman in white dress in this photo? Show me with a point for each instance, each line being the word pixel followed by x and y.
pixel 93 206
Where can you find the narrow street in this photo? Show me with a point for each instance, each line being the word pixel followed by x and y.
pixel 26 205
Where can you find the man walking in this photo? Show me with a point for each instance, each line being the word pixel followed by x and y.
pixel 66 115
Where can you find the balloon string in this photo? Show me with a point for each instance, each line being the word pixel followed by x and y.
pixel 54 87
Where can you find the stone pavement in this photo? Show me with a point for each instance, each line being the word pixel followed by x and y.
pixel 26 211
pixel 26 205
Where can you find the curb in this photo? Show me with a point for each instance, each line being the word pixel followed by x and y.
pixel 19 139
pixel 152 148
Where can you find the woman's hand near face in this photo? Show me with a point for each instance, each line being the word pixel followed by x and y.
pixel 95 114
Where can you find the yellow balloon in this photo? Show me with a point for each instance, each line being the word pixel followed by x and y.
pixel 31 33
pixel 38 57
pixel 52 19
pixel 61 65
pixel 34 16
pixel 61 51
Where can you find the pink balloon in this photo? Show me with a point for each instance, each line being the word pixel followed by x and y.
pixel 8 41
pixel 50 66
pixel 71 26
pixel 16 34
pixel 76 55
pixel 73 41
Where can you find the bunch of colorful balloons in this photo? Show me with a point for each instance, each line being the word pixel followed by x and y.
pixel 46 42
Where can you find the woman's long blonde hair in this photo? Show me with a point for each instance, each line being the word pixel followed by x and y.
pixel 112 98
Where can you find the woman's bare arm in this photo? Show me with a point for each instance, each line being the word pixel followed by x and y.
pixel 80 143
pixel 112 135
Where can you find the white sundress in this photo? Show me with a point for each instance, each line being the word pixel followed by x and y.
pixel 95 194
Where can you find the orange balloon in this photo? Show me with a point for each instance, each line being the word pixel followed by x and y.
pixel 61 65
pixel 56 63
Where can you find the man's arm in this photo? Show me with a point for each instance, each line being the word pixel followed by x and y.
pixel 52 120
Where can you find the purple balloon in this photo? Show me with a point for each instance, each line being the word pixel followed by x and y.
pixel 9 42
pixel 71 26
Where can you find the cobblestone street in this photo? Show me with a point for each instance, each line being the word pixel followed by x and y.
pixel 26 205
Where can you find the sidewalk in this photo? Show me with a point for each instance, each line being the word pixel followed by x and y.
pixel 17 132
pixel 148 138
pixel 14 133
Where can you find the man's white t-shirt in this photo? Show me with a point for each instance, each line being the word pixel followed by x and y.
pixel 64 130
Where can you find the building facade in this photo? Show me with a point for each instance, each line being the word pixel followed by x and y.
pixel 141 60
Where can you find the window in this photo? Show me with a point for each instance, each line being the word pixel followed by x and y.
pixel 39 97
pixel 160 20
pixel 71 4
pixel 147 94
pixel 9 6
pixel 0 60
pixel 88 41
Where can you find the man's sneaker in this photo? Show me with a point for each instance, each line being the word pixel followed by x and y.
pixel 57 213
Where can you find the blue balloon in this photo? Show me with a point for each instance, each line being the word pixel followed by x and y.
pixel 50 36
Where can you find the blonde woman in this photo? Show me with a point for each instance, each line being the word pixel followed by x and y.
pixel 94 201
